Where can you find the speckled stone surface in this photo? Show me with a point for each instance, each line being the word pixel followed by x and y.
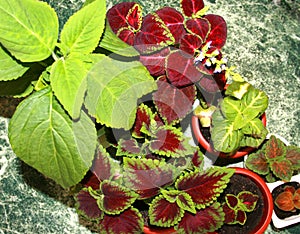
pixel 263 42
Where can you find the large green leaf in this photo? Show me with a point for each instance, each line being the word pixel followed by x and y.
pixel 83 30
pixel 10 69
pixel 68 79
pixel 28 29
pixel 113 90
pixel 43 136
pixel 113 43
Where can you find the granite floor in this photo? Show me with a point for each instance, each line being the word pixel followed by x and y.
pixel 263 42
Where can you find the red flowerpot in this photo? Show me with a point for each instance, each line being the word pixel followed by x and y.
pixel 209 148
pixel 150 230
pixel 267 199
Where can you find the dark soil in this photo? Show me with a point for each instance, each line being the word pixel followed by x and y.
pixel 280 213
pixel 237 184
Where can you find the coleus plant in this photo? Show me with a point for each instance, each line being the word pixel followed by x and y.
pixel 234 121
pixel 275 160
pixel 236 206
pixel 289 199
pixel 68 85
pixel 153 173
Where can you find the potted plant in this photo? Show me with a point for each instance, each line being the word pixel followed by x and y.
pixel 278 163
pixel 236 124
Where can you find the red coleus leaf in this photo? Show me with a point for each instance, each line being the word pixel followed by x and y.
pixel 296 198
pixel 125 15
pixel 214 82
pixel 204 186
pixel 130 221
pixel 155 63
pixel 231 200
pixel 284 201
pixel 167 141
pixel 104 167
pixel 275 148
pixel 153 36
pixel 205 221
pixel 218 31
pixel 293 155
pixel 200 27
pixel 173 19
pixel 173 103
pixel 91 181
pixel 163 213
pixel 87 205
pixel 126 35
pixel 241 217
pixel 147 176
pixel 128 147
pixel 190 44
pixel 282 169
pixel 247 200
pixel 144 115
pixel 181 70
pixel 115 198
pixel 230 214
pixel 198 158
pixel 289 188
pixel 258 163
pixel 191 7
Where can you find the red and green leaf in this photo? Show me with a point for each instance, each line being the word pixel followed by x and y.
pixel 199 27
pixel 87 206
pixel 104 167
pixel 218 30
pixel 284 201
pixel 128 147
pixel 198 159
pixel 173 19
pixel 155 62
pixel 230 214
pixel 241 217
pixel 130 222
pixel 282 169
pixel 204 221
pixel 173 103
pixel 126 35
pixel 275 149
pixel 147 176
pixel 204 187
pixel 181 70
pixel 247 200
pixel 258 163
pixel 293 155
pixel 115 198
pixel 125 15
pixel 153 36
pixel 190 8
pixel 296 198
pixel 168 141
pixel 232 201
pixel 190 44
pixel 163 213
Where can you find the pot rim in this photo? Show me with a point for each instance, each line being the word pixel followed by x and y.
pixel 208 147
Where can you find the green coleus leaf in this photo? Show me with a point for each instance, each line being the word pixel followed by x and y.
pixel 113 43
pixel 83 30
pixel 183 200
pixel 163 213
pixel 254 134
pixel 28 29
pixel 114 198
pixel 282 168
pixel 68 80
pixel 44 137
pixel 104 167
pixel 130 222
pixel 147 176
pixel 258 163
pixel 204 187
pixel 10 69
pixel 204 221
pixel 247 201
pixel 293 155
pixel 275 149
pixel 237 89
pixel 113 88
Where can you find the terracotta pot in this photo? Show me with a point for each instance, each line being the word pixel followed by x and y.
pixel 267 199
pixel 209 148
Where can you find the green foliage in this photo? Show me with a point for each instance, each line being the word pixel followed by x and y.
pixel 61 77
